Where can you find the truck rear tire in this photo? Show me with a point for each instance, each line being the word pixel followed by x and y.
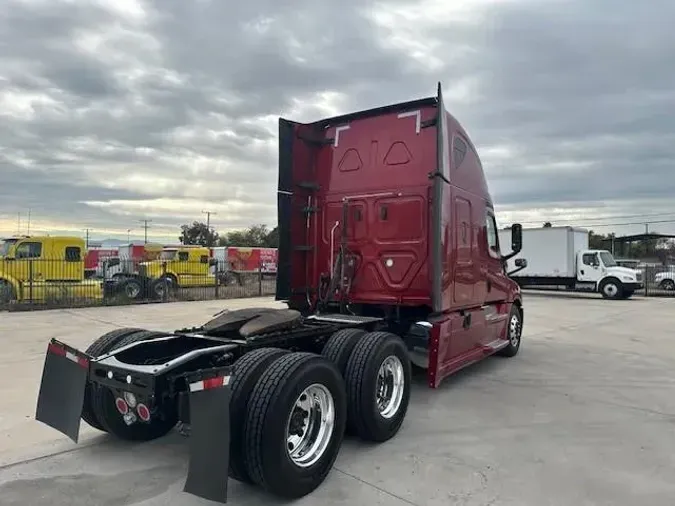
pixel 110 418
pixel 162 288
pixel 340 345
pixel 7 293
pixel 245 374
pixel 132 289
pixel 514 332
pixel 378 377
pixel 295 424
pixel 611 288
pixel 101 346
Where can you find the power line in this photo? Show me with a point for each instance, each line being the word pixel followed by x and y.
pixel 621 217
pixel 628 223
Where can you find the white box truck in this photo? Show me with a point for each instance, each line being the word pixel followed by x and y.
pixel 561 257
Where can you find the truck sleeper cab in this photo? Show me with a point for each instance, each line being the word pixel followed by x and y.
pixel 388 255
pixel 39 269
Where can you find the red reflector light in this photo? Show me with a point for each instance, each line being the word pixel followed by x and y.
pixel 122 406
pixel 143 412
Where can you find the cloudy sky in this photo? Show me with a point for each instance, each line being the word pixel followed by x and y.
pixel 112 111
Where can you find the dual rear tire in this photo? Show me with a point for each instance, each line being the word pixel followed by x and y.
pixel 290 411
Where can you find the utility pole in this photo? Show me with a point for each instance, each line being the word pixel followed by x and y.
pixel 28 231
pixel 18 225
pixel 145 228
pixel 128 236
pixel 208 224
pixel 86 240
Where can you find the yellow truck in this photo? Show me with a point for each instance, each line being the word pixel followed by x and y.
pixel 42 269
pixel 179 267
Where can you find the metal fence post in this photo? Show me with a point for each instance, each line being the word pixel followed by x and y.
pixel 165 279
pixel 260 280
pixel 217 274
pixel 30 282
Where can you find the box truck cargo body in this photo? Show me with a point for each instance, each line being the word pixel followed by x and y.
pixel 560 256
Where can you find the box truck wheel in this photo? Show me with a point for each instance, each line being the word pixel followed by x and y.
pixel 128 423
pixel 101 346
pixel 295 424
pixel 340 345
pixel 245 374
pixel 514 332
pixel 378 386
pixel 611 288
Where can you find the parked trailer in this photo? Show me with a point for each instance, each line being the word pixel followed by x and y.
pixel 560 256
pixel 388 255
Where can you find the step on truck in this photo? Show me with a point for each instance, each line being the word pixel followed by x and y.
pixel 388 257
pixel 561 257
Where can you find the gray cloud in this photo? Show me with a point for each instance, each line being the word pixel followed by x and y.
pixel 169 107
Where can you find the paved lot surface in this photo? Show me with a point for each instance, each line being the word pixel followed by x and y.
pixel 584 415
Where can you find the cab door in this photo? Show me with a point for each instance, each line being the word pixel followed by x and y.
pixel 27 265
pixel 590 268
pixel 182 265
pixel 496 281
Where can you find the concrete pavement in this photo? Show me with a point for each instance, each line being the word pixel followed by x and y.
pixel 583 415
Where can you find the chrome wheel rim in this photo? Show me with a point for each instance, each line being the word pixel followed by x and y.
pixel 390 386
pixel 310 425
pixel 611 289
pixel 514 330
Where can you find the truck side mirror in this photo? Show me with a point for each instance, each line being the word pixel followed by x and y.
pixel 521 262
pixel 516 237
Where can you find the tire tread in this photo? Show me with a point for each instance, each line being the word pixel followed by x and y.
pixel 274 380
pixel 253 362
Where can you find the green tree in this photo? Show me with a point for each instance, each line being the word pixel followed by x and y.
pixel 272 239
pixel 198 233
pixel 548 224
pixel 254 236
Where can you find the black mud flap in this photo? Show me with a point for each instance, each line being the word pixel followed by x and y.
pixel 209 435
pixel 64 378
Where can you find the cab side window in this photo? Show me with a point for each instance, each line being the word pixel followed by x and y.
pixel 204 259
pixel 29 250
pixel 590 259
pixel 492 235
pixel 458 151
pixel 183 256
pixel 73 254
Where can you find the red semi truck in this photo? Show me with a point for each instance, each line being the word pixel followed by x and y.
pixel 389 255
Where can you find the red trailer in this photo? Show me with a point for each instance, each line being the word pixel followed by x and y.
pixel 95 256
pixel 252 259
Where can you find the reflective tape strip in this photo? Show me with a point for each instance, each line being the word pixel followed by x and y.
pixel 210 383
pixel 73 357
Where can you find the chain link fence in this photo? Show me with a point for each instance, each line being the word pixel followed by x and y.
pixel 27 284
